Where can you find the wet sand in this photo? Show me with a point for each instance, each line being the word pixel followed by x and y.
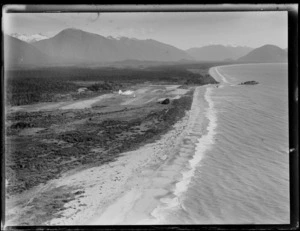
pixel 158 181
pixel 129 189
pixel 115 187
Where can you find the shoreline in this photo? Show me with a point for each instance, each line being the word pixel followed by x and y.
pixel 154 186
pixel 130 188
pixel 154 172
pixel 213 71
pixel 57 198
pixel 37 204
pixel 219 76
pixel 201 132
pixel 242 64
pixel 116 184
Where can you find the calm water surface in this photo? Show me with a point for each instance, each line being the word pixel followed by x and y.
pixel 243 177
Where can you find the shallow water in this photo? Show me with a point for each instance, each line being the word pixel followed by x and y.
pixel 239 172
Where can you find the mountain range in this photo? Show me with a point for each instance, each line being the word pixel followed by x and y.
pixel 78 46
pixel 218 52
pixel 73 46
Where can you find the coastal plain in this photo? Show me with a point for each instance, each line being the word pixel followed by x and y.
pixel 69 158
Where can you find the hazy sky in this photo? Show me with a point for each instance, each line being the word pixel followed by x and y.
pixel 181 29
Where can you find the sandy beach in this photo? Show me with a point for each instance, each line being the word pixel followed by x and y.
pixel 128 190
pixel 113 188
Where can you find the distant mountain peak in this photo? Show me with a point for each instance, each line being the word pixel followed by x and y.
pixel 77 46
pixel 72 29
pixel 265 54
pixel 29 38
pixel 218 52
pixel 74 32
pixel 269 46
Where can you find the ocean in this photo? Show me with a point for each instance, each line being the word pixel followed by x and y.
pixel 239 171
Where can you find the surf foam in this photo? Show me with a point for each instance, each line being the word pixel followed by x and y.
pixel 204 143
pixel 222 76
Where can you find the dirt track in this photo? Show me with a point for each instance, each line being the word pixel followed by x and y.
pixel 143 95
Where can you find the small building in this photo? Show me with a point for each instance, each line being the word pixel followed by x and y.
pixel 126 92
pixel 81 90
